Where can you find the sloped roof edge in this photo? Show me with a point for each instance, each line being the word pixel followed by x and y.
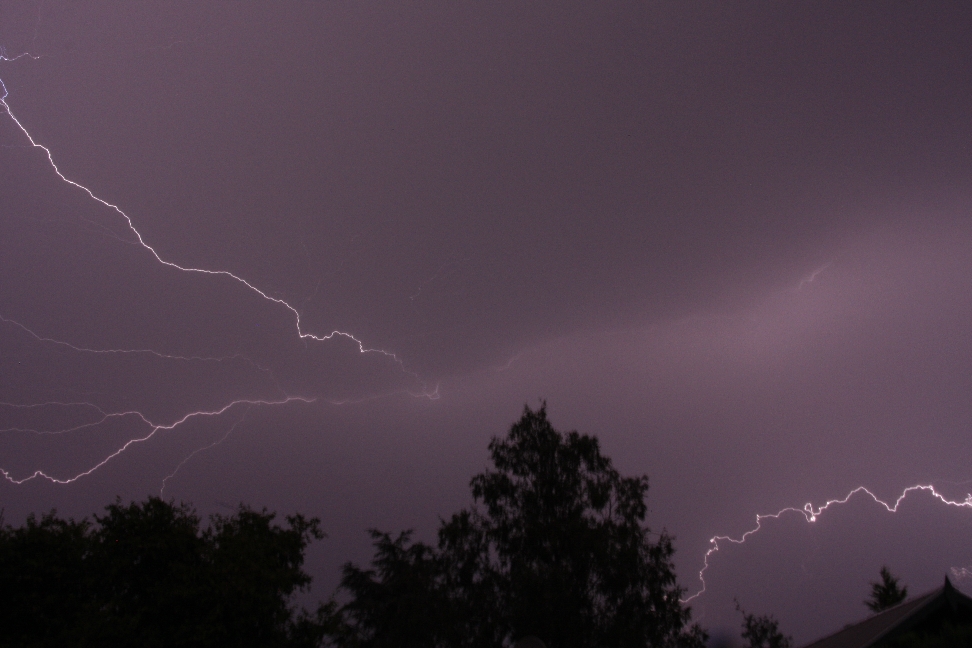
pixel 873 629
pixel 937 598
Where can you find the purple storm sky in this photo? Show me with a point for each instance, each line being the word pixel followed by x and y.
pixel 733 240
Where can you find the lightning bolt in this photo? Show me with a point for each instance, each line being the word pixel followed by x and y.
pixel 809 279
pixel 961 573
pixel 154 428
pixel 151 352
pixel 4 93
pixel 203 448
pixel 105 416
pixel 811 514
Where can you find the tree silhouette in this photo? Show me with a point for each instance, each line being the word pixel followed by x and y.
pixel 145 574
pixel 554 546
pixel 45 581
pixel 762 631
pixel 886 594
pixel 399 602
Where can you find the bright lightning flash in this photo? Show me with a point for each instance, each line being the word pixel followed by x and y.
pixel 811 514
pixel 155 254
pixel 140 418
pixel 153 429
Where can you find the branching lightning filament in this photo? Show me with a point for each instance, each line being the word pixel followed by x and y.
pixel 811 515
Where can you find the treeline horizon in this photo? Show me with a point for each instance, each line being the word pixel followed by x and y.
pixel 555 546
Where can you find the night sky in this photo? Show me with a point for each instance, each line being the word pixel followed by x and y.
pixel 733 240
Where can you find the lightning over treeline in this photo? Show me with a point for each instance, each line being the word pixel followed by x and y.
pixel 122 416
pixel 811 514
pixel 239 244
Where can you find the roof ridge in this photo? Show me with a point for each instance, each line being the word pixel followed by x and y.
pixel 895 608
pixel 916 608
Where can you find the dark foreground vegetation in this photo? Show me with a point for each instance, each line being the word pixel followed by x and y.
pixel 146 575
pixel 887 593
pixel 554 545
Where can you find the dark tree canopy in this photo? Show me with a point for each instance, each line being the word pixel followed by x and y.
pixel 44 581
pixel 399 602
pixel 145 575
pixel 886 594
pixel 762 631
pixel 554 546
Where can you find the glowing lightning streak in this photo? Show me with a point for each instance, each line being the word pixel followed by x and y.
pixel 32 406
pixel 813 275
pixel 157 354
pixel 198 450
pixel 961 573
pixel 154 427
pixel 77 428
pixel 811 514
pixel 141 241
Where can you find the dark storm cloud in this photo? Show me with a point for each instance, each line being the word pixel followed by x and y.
pixel 730 239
